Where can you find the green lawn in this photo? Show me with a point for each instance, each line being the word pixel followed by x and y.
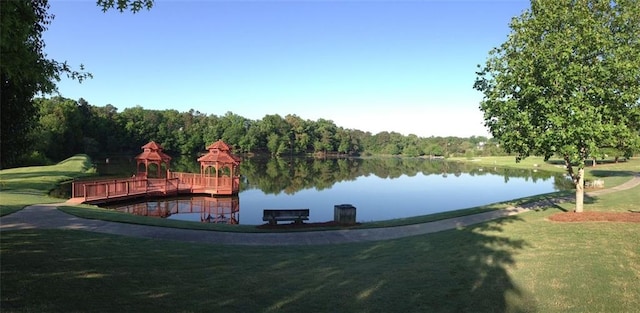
pixel 519 264
pixel 20 187
pixel 612 173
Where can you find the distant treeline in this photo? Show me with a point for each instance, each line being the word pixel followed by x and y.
pixel 67 127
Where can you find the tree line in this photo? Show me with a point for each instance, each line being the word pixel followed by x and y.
pixel 66 127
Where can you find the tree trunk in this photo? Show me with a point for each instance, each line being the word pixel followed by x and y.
pixel 580 191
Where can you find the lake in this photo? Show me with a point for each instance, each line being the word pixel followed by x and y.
pixel 379 188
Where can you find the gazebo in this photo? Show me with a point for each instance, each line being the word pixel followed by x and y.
pixel 219 168
pixel 152 155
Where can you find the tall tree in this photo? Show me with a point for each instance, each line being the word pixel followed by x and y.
pixel 25 70
pixel 59 132
pixel 566 82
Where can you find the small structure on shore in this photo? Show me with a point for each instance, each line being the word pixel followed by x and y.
pixel 219 161
pixel 152 155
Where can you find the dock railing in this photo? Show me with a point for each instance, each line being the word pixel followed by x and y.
pixel 177 182
pixel 116 188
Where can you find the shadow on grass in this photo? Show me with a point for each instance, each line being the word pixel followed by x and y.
pixel 611 173
pixel 463 270
pixel 553 203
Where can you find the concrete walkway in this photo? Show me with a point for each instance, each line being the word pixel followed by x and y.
pixel 47 216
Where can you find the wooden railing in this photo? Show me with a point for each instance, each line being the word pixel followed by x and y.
pixel 125 187
pixel 106 189
pixel 198 181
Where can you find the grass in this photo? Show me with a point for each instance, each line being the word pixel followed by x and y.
pixel 14 201
pixel 20 187
pixel 613 174
pixel 42 179
pixel 518 264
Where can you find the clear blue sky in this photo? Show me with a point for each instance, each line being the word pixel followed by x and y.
pixel 404 66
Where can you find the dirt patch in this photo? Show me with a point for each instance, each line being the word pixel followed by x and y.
pixel 306 225
pixel 630 217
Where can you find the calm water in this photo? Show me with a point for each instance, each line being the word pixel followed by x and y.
pixel 379 190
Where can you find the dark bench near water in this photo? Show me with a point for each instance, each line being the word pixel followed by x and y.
pixel 273 216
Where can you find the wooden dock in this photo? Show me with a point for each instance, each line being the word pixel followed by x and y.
pixel 218 176
pixel 107 190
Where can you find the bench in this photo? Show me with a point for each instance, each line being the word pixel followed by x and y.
pixel 275 215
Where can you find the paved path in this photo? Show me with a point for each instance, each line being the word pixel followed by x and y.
pixel 47 216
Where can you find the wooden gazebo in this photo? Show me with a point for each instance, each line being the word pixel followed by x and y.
pixel 219 169
pixel 152 154
pixel 219 175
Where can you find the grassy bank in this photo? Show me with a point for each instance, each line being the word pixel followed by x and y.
pixel 20 187
pixel 518 264
pixel 612 173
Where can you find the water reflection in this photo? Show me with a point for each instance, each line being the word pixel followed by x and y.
pixel 292 175
pixel 224 210
pixel 380 189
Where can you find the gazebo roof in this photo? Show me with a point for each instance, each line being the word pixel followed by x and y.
pixel 152 145
pixel 220 145
pixel 219 152
pixel 220 158
pixel 153 152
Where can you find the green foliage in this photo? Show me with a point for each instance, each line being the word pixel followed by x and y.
pixel 123 5
pixel 567 81
pixel 26 72
pixel 66 127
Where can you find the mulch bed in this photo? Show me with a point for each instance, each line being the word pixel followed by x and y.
pixel 630 217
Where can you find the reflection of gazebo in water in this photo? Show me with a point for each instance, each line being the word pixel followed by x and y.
pixel 223 210
pixel 219 169
pixel 219 210
pixel 152 155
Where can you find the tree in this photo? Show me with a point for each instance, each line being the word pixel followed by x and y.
pixel 25 71
pixel 59 133
pixel 566 82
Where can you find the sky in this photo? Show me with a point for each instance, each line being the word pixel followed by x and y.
pixel 402 66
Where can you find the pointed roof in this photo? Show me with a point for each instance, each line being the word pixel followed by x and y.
pixel 220 145
pixel 152 145
pixel 153 152
pixel 219 152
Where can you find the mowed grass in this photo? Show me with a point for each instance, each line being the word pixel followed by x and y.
pixel 519 264
pixel 41 179
pixel 20 187
pixel 612 173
